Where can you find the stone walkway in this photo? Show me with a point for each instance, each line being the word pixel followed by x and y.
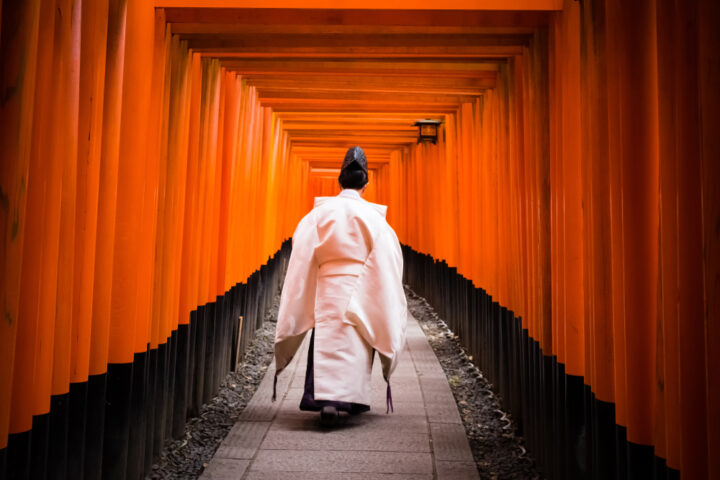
pixel 423 439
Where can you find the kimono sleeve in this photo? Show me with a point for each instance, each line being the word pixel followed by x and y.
pixel 297 301
pixel 377 307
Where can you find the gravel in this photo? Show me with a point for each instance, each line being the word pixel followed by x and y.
pixel 498 452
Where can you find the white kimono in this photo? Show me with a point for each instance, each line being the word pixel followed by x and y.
pixel 344 279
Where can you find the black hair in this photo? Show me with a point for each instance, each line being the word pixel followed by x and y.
pixel 354 172
pixel 353 178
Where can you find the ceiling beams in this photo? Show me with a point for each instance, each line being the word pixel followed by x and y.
pixel 341 77
pixel 188 18
pixel 378 5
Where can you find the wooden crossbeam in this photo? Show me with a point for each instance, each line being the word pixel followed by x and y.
pixel 470 86
pixel 348 95
pixel 427 68
pixel 326 40
pixel 386 17
pixel 389 117
pixel 230 49
pixel 243 28
pixel 308 105
pixel 338 78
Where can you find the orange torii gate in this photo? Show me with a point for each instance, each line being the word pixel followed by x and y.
pixel 156 155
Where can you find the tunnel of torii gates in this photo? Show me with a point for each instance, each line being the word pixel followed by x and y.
pixel 157 156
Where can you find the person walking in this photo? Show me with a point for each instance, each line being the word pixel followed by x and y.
pixel 344 282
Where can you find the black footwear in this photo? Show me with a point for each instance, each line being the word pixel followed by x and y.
pixel 328 416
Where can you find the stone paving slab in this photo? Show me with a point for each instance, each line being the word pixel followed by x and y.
pixel 225 469
pixel 366 440
pixel 450 443
pixel 443 413
pixel 403 421
pixel 335 476
pixel 423 439
pixel 456 470
pixel 243 440
pixel 435 396
pixel 341 461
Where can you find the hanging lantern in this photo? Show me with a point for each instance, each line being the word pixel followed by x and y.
pixel 428 130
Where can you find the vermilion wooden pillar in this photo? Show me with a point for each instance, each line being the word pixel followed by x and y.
pixel 132 175
pixel 708 16
pixel 595 249
pixel 681 232
pixel 31 394
pixel 187 275
pixel 90 118
pixel 67 73
pixel 19 40
pixel 635 29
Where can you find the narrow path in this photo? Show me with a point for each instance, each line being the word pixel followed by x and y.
pixel 423 439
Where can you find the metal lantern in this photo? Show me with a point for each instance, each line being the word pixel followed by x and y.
pixel 428 130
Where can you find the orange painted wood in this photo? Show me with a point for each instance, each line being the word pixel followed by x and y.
pixel 208 164
pixel 67 77
pixel 188 275
pixel 681 177
pixel 616 214
pixel 372 4
pixel 669 441
pixel 638 151
pixel 573 180
pixel 90 121
pixel 42 237
pixel 167 302
pixel 595 194
pixel 158 327
pixel 231 108
pixel 125 319
pixel 107 202
pixel 18 63
pixel 155 140
pixel 708 15
pixel 330 70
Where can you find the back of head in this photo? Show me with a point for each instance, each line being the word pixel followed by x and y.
pixel 353 173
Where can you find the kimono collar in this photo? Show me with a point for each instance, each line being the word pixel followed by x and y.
pixel 355 195
pixel 350 193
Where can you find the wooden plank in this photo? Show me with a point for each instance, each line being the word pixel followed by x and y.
pixel 374 83
pixel 349 96
pixel 255 29
pixel 306 105
pixel 424 39
pixel 444 67
pixel 365 15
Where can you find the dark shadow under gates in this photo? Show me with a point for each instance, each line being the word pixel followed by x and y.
pixel 571 434
pixel 118 422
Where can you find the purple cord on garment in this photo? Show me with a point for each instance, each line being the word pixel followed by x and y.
pixel 389 400
pixel 274 387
